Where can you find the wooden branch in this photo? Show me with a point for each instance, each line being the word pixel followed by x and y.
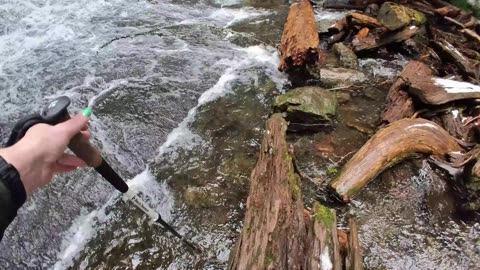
pixel 388 38
pixel 354 251
pixel 389 146
pixel 300 41
pixel 471 34
pixel 363 20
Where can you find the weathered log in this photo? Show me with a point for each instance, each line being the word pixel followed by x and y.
pixel 354 250
pixel 273 231
pixel 400 104
pixel 300 41
pixel 389 146
pixel 323 241
pixel 436 91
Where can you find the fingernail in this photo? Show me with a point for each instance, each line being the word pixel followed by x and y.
pixel 87 112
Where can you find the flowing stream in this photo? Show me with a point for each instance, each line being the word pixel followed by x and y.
pixel 181 91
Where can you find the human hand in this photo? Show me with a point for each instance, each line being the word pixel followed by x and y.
pixel 41 152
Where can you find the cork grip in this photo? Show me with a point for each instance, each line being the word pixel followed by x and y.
pixel 84 150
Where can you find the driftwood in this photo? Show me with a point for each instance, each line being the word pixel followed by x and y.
pixel 277 233
pixel 449 53
pixel 354 250
pixel 389 146
pixel 300 41
pixel 400 104
pixel 436 91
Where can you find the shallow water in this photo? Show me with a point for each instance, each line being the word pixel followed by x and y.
pixel 181 92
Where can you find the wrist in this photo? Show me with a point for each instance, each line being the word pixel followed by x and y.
pixel 10 178
pixel 18 158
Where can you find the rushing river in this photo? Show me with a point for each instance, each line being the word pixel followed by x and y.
pixel 181 91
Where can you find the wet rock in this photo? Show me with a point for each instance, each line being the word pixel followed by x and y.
pixel 307 108
pixel 343 97
pixel 201 197
pixel 336 77
pixel 347 58
pixel 394 16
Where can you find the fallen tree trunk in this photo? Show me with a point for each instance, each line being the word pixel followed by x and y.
pixel 300 41
pixel 276 233
pixel 389 146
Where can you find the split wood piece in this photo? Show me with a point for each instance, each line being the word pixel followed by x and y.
pixel 437 91
pixel 323 248
pixel 354 251
pixel 388 38
pixel 450 54
pixel 273 233
pixel 363 20
pixel 390 145
pixel 300 41
pixel 400 104
pixel 449 11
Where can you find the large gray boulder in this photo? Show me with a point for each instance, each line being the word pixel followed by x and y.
pixel 307 108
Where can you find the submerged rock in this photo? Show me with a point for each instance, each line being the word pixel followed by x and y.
pixel 307 108
pixel 201 197
pixel 347 58
pixel 335 77
pixel 394 16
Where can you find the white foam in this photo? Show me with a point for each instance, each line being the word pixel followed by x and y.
pixel 456 87
pixel 326 263
pixel 85 227
pixel 227 17
pixel 182 135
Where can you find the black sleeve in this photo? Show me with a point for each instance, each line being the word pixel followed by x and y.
pixel 12 194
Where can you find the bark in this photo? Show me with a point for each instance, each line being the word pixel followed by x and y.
pixel 400 104
pixel 390 145
pixel 300 41
pixel 354 251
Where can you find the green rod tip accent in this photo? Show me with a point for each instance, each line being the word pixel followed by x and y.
pixel 87 112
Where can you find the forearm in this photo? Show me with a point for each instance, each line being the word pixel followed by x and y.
pixel 12 193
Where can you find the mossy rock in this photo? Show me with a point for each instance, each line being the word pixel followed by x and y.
pixel 307 108
pixel 394 16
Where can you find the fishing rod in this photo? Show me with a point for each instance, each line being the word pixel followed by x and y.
pixel 56 112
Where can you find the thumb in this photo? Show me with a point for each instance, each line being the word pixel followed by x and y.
pixel 75 124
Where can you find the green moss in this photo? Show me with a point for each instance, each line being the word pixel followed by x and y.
pixel 332 170
pixel 268 261
pixel 325 215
